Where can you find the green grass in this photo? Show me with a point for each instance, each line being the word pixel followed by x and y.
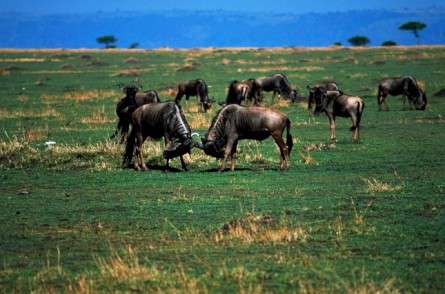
pixel 347 217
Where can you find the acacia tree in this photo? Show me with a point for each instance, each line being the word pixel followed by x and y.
pixel 389 43
pixel 359 41
pixel 414 27
pixel 108 40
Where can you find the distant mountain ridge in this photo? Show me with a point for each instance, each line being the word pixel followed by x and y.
pixel 188 29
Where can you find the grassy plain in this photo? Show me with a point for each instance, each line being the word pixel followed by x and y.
pixel 356 218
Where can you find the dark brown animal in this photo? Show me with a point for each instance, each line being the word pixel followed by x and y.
pixel 234 123
pixel 328 86
pixel 158 120
pixel 335 103
pixel 128 104
pixel 278 84
pixel 196 88
pixel 240 91
pixel 406 86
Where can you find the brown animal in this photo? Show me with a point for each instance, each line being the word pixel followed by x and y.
pixel 328 86
pixel 158 120
pixel 128 104
pixel 234 122
pixel 278 84
pixel 406 86
pixel 240 91
pixel 196 88
pixel 335 103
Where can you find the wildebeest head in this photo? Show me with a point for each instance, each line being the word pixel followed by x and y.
pixel 323 99
pixel 214 148
pixel 180 134
pixel 293 95
pixel 130 91
pixel 421 101
pixel 206 103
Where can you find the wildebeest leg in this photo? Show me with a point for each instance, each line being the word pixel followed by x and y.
pixel 227 152
pixel 381 98
pixel 167 161
pixel 232 157
pixel 332 127
pixel 354 127
pixel 184 166
pixel 278 137
pixel 141 157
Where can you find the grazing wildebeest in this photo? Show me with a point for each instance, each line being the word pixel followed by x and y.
pixel 196 88
pixel 328 86
pixel 158 120
pixel 335 103
pixel 240 91
pixel 406 86
pixel 234 122
pixel 128 104
pixel 277 83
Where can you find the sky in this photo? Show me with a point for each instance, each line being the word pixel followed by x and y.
pixel 277 6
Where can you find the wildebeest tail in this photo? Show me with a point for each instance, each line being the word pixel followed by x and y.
pixel 289 140
pixel 360 107
pixel 129 148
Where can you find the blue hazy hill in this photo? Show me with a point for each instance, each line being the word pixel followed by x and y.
pixel 185 29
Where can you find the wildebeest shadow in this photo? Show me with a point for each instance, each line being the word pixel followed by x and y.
pixel 158 167
pixel 216 170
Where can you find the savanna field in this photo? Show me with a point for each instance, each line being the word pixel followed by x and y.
pixel 354 218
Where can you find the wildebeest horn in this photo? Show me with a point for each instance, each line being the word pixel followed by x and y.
pixel 196 134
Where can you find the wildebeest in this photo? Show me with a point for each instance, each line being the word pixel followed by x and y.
pixel 335 103
pixel 240 91
pixel 196 88
pixel 234 122
pixel 327 86
pixel 277 83
pixel 155 121
pixel 406 86
pixel 128 104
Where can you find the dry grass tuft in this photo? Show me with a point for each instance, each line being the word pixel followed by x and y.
pixel 34 134
pixel 169 91
pixel 47 112
pixel 375 186
pixel 132 72
pixel 187 67
pixel 22 98
pixel 281 103
pixel 259 229
pixel 97 117
pixel 131 60
pixel 199 121
pixel 307 158
pixel 81 95
pixel 226 61
pixel 126 269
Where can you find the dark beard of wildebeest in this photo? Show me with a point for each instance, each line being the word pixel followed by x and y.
pixel 128 104
pixel 278 83
pixel 406 86
pixel 240 91
pixel 335 103
pixel 328 86
pixel 155 121
pixel 196 88
pixel 234 122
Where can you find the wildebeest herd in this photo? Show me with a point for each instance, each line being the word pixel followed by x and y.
pixel 153 119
